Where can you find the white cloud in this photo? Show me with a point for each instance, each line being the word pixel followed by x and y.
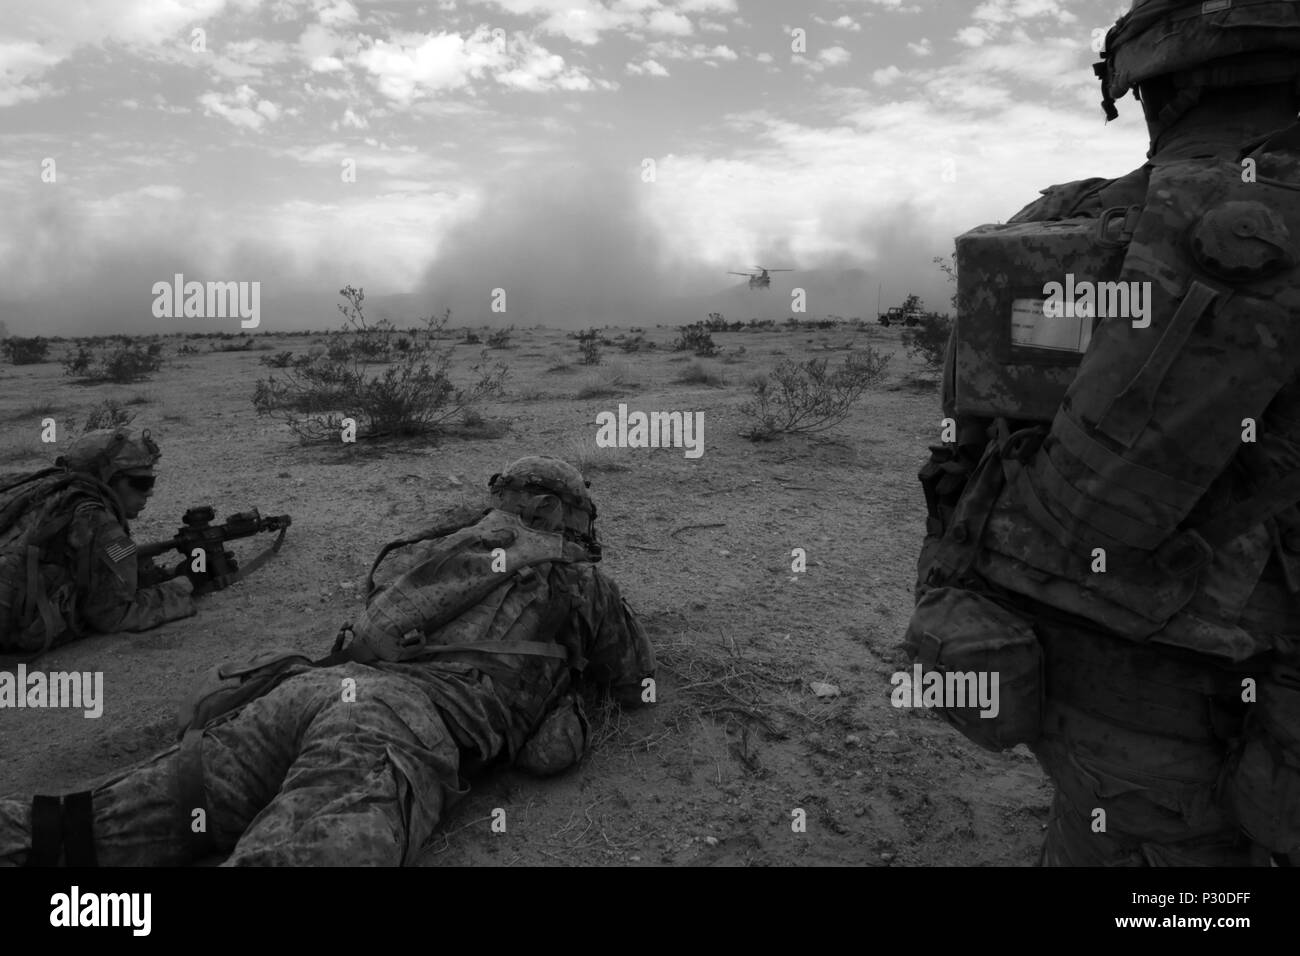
pixel 243 107
pixel 886 76
pixel 921 48
pixel 667 21
pixel 336 12
pixel 840 23
pixel 707 6
pixel 677 50
pixel 648 68
pixel 20 62
pixel 834 55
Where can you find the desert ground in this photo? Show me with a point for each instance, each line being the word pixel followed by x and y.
pixel 710 773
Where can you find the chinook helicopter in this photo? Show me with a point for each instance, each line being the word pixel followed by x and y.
pixel 760 279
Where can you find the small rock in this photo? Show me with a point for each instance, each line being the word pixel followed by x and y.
pixel 454 481
pixel 634 859
pixel 822 689
pixel 711 841
pixel 887 857
pixel 853 740
pixel 283 474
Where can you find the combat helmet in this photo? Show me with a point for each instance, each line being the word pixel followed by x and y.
pixel 110 452
pixel 522 489
pixel 1206 42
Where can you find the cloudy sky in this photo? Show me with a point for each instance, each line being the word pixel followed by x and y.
pixel 599 160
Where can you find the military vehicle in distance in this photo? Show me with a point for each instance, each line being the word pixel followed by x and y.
pixel 896 314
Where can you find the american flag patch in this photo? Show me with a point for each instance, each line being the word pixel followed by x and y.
pixel 119 551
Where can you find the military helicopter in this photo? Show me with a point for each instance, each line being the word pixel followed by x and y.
pixel 760 279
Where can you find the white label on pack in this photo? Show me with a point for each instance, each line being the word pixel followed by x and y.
pixel 1032 329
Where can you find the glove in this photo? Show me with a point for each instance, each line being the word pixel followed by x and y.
pixel 149 575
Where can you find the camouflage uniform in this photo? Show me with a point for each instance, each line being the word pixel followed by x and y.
pixel 1143 713
pixel 112 599
pixel 303 776
pixel 90 570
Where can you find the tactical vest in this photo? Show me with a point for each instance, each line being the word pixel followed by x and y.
pixel 1144 461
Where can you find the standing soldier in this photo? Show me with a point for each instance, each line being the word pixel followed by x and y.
pixel 68 565
pixel 478 651
pixel 1129 561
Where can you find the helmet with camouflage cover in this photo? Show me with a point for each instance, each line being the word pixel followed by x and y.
pixel 1204 42
pixel 524 486
pixel 109 452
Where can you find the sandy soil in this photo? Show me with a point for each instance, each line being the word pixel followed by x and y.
pixel 710 774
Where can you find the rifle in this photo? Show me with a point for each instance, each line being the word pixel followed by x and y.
pixel 220 569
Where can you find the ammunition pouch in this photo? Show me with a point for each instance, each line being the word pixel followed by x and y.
pixel 967 639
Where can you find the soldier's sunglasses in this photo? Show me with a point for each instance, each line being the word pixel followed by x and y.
pixel 141 482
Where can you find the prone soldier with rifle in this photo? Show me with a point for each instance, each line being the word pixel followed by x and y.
pixel 68 564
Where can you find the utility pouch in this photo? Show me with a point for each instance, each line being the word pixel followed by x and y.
pixel 559 742
pixel 981 665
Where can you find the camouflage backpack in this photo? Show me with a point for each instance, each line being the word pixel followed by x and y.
pixel 38 592
pixel 445 575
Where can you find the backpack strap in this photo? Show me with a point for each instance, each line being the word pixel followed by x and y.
pixel 437 531
pixel 529 648
pixel 192 794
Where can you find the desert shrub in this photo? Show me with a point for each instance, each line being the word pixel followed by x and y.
pixel 929 340
pixel 809 396
pixel 121 363
pixel 695 338
pixel 635 343
pixel 226 342
pixel 715 322
pixel 471 338
pixel 609 381
pixel 412 396
pixel 21 351
pixel 107 414
pixel 278 360
pixel 762 323
pixel 187 350
pixel 500 339
pixel 697 374
pixel 589 346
